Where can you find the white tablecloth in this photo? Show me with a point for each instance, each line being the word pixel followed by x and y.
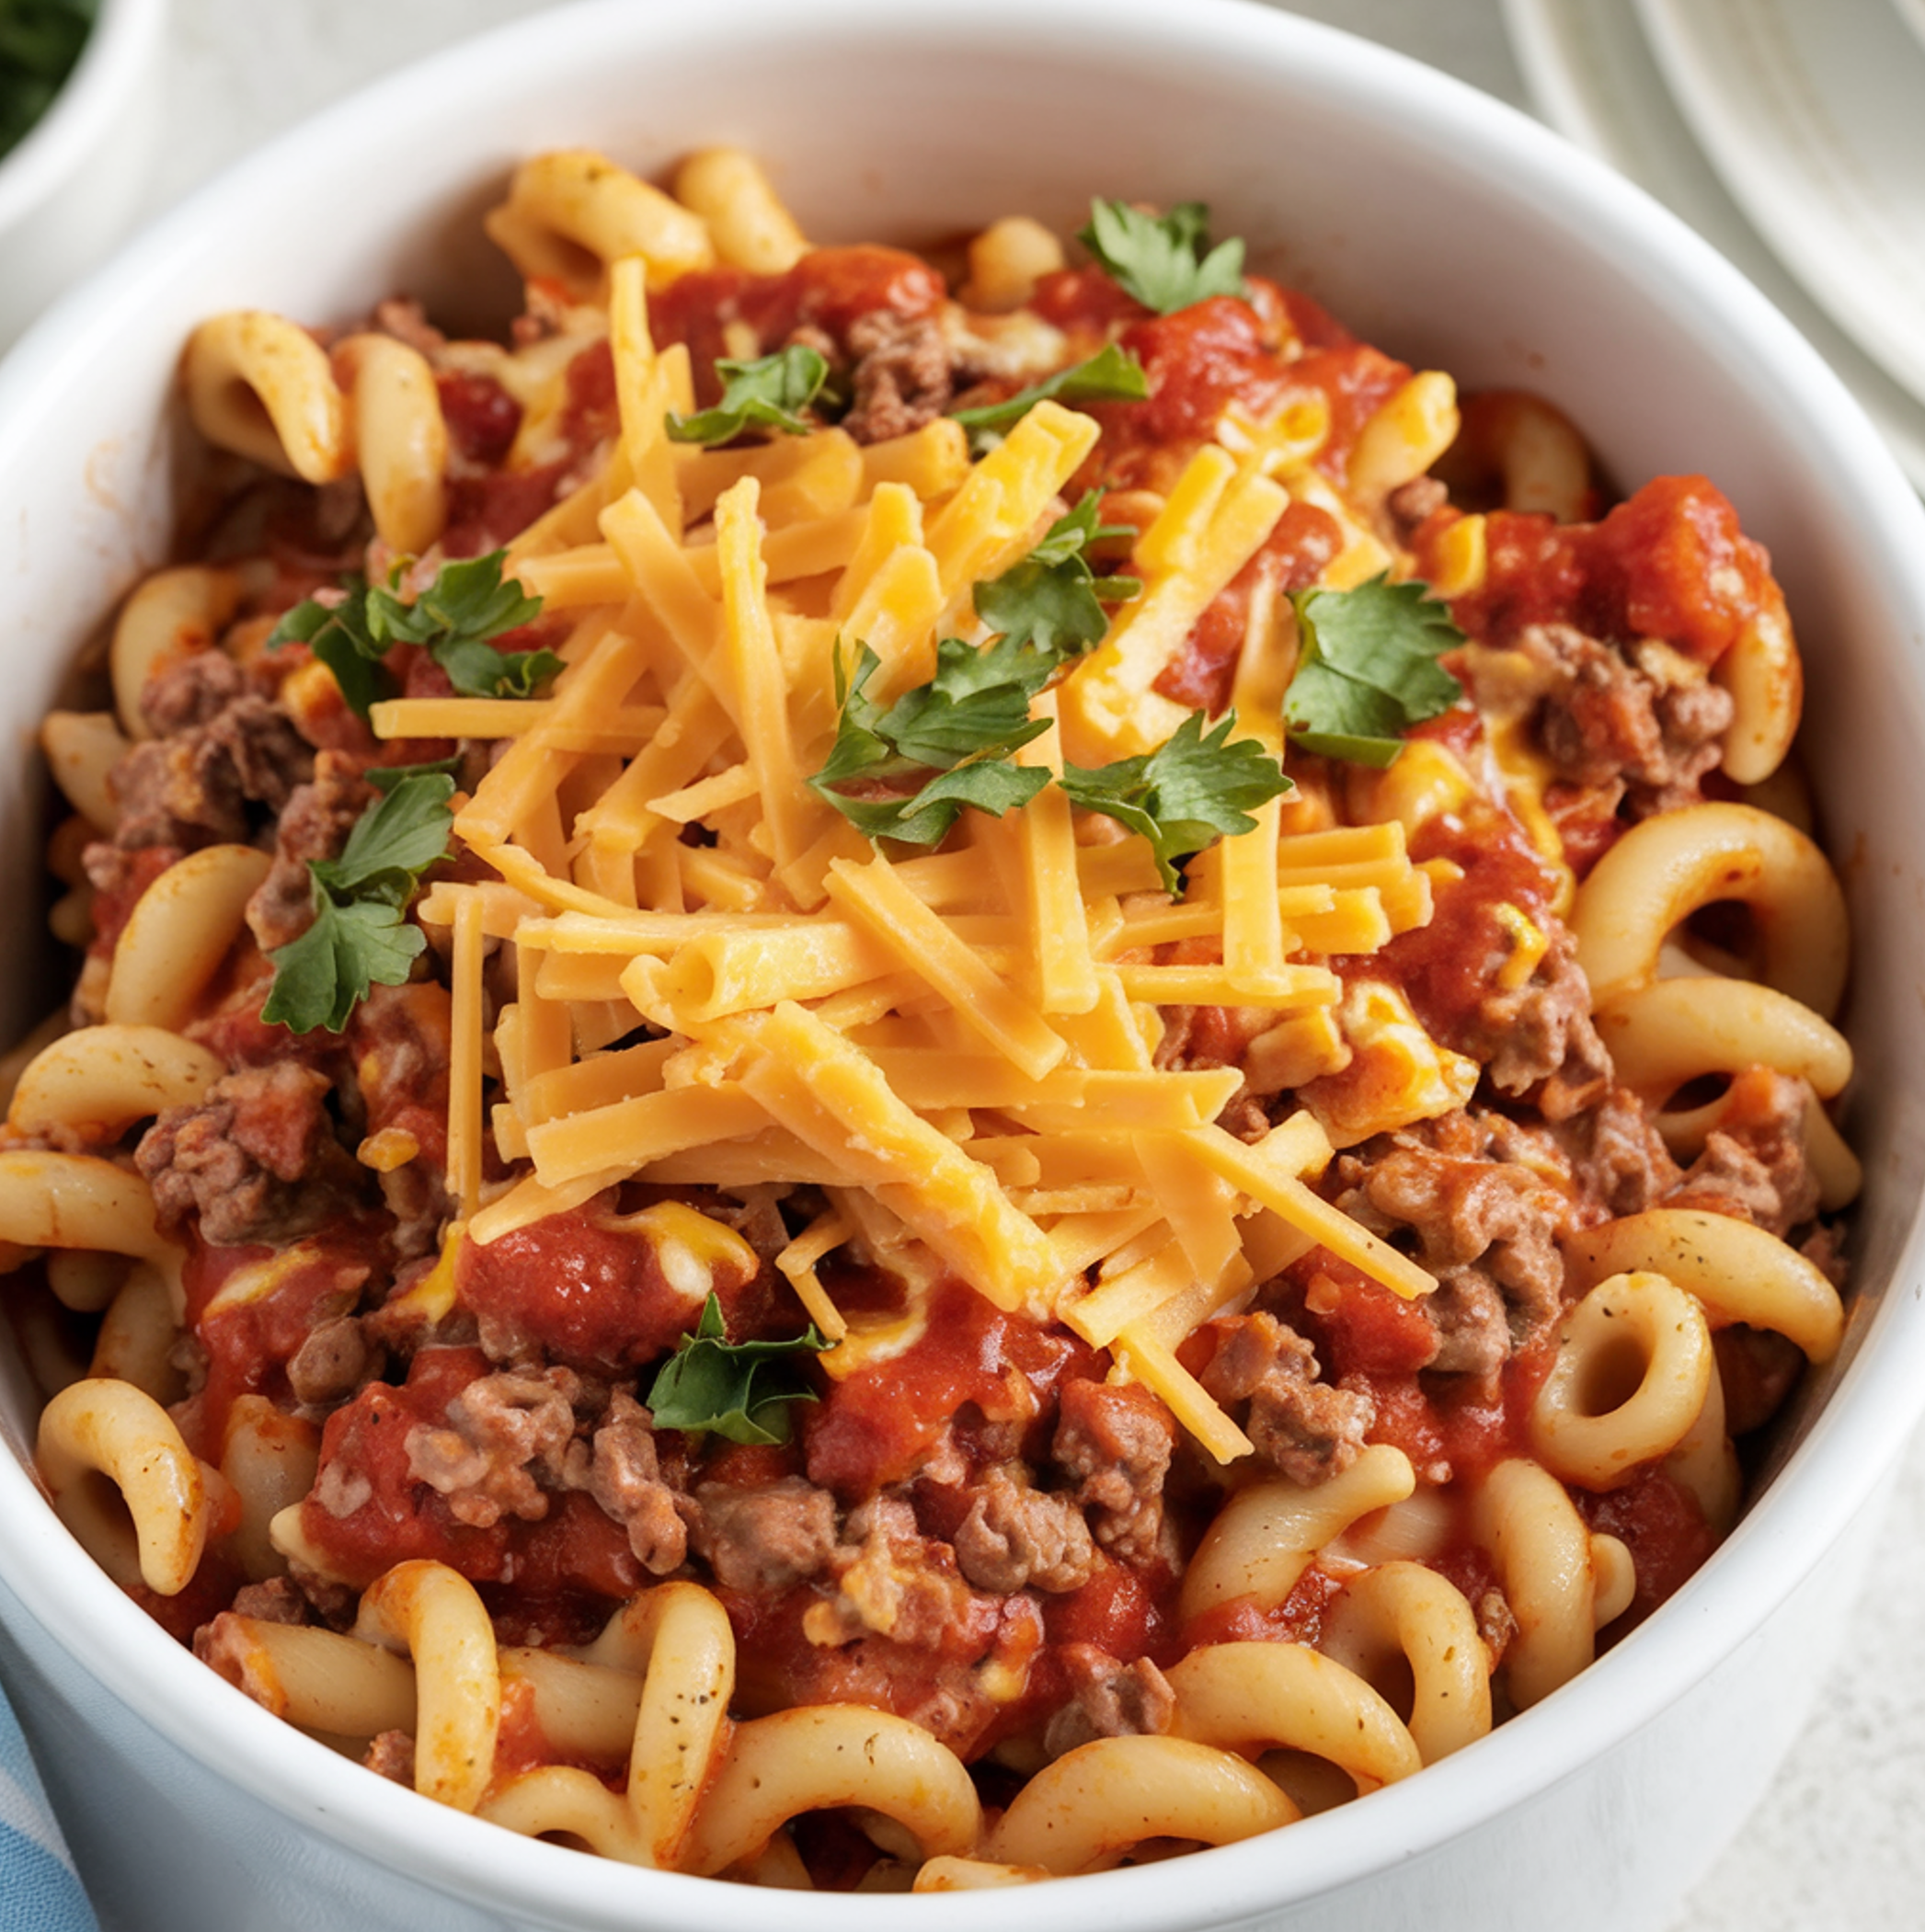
pixel 1836 1842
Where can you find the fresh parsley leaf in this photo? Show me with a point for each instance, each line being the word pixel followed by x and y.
pixel 339 632
pixel 1111 375
pixel 768 392
pixel 740 1389
pixel 972 717
pixel 975 708
pixel 924 818
pixel 360 936
pixel 1184 794
pixel 403 833
pixel 1166 261
pixel 1367 668
pixel 320 977
pixel 1052 601
pixel 454 619
pixel 384 778
pixel 977 702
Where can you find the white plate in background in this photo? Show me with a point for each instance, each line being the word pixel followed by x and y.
pixel 1813 113
pixel 1592 76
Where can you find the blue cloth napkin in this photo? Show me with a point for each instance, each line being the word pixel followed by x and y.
pixel 39 1890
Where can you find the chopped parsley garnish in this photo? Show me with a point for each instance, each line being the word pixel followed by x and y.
pixel 1166 261
pixel 359 937
pixel 1186 794
pixel 1368 670
pixel 454 619
pixel 740 1389
pixel 973 714
pixel 39 43
pixel 1053 600
pixel 769 394
pixel 1111 375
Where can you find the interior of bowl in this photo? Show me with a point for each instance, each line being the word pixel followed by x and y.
pixel 1434 222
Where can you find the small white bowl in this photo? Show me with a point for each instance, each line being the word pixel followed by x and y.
pixel 1439 225
pixel 70 188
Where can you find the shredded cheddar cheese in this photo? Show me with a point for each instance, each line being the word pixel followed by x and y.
pixel 961 1045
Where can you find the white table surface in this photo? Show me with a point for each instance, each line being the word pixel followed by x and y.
pixel 1836 1842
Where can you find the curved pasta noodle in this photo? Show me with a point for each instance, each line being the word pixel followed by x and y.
pixel 323 1680
pixel 1613 1580
pixel 268 1460
pixel 85 1279
pixel 748 222
pixel 1524 451
pixel 1762 672
pixel 973 1875
pixel 81 1201
pixel 1671 1032
pixel 814 1756
pixel 1406 1613
pixel 677 1640
pixel 1633 1368
pixel 1738 1272
pixel 261 386
pixel 1263 1538
pixel 1251 1697
pixel 99 1079
pixel 180 930
pixel 1542 1554
pixel 137 1335
pixel 1667 867
pixel 82 748
pixel 1834 1166
pixel 170 616
pixel 399 439
pixel 1406 434
pixel 116 1431
pixel 570 214
pixel 433 1613
pixel 1094 1804
pixel 1706 1463
pixel 1006 261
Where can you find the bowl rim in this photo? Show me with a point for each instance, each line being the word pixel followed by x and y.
pixel 122 43
pixel 1852 1443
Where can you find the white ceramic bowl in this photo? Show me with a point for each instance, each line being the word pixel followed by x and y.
pixel 74 183
pixel 1439 225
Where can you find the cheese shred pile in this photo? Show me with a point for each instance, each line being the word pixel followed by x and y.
pixel 959 1048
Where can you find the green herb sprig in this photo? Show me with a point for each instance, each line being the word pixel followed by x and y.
pixel 359 937
pixel 767 394
pixel 739 1390
pixel 972 717
pixel 1111 375
pixel 454 619
pixel 1166 261
pixel 1368 670
pixel 1197 786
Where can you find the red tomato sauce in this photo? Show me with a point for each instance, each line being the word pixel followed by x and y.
pixel 881 1421
pixel 1669 562
pixel 566 1568
pixel 829 289
pixel 594 1295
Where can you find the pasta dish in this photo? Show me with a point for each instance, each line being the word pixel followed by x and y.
pixel 909 1071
